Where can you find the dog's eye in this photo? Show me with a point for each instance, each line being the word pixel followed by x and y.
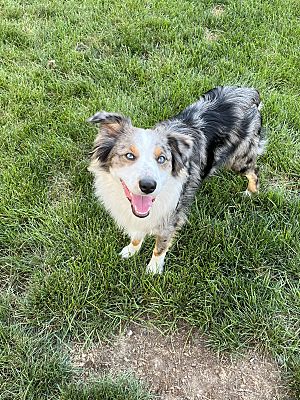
pixel 130 156
pixel 161 159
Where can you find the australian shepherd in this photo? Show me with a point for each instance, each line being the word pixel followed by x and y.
pixel 148 178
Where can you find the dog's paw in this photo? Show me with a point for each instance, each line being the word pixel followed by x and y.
pixel 156 265
pixel 128 251
pixel 247 193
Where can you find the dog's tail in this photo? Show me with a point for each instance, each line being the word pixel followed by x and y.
pixel 263 141
pixel 262 144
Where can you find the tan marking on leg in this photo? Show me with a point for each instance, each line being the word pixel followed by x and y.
pixel 133 247
pixel 158 248
pixel 162 244
pixel 252 182
pixel 157 253
pixel 135 242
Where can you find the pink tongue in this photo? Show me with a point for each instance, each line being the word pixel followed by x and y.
pixel 141 204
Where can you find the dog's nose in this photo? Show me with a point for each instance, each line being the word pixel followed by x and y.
pixel 147 185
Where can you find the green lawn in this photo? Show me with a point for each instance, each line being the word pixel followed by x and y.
pixel 234 269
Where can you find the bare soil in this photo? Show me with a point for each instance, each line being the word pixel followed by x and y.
pixel 181 366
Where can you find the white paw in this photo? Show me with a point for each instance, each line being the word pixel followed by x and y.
pixel 246 193
pixel 156 265
pixel 128 251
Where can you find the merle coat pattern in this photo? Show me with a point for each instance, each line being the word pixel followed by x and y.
pixel 222 129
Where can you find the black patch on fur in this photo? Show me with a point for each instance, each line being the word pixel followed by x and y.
pixel 180 150
pixel 177 161
pixel 223 116
pixel 219 120
pixel 210 158
pixel 103 150
pixel 243 170
pixel 216 122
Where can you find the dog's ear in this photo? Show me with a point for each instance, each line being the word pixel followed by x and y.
pixel 181 146
pixel 110 123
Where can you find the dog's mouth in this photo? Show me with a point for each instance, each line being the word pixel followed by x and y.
pixel 140 205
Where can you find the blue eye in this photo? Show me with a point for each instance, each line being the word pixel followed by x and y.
pixel 161 159
pixel 130 156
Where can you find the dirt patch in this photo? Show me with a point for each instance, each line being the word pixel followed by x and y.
pixel 181 366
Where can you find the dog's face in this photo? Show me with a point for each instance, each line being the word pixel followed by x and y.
pixel 142 160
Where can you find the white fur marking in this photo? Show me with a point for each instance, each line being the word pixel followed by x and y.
pixel 130 250
pixel 246 193
pixel 156 264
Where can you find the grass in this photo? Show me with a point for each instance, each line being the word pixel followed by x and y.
pixel 234 269
pixel 108 388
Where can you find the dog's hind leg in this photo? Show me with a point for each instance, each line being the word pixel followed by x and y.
pixel 246 166
pixel 133 247
pixel 253 181
pixel 156 264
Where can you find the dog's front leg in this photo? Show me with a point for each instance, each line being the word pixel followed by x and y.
pixel 133 247
pixel 156 264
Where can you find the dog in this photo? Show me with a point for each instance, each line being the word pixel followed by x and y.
pixel 148 178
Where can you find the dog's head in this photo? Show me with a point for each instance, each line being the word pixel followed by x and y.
pixel 142 160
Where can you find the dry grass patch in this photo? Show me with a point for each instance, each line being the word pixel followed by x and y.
pixel 59 188
pixel 218 10
pixel 211 36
